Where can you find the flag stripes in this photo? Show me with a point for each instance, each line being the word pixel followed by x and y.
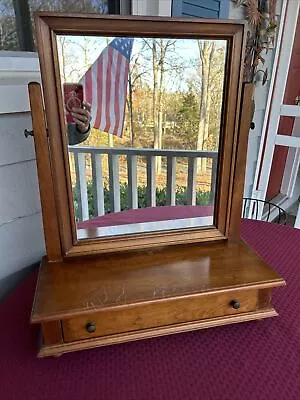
pixel 105 86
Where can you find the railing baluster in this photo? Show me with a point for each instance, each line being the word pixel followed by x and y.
pixel 132 154
pixel 132 181
pixel 191 186
pixel 83 206
pixel 171 180
pixel 151 188
pixel 114 182
pixel 214 167
pixel 98 192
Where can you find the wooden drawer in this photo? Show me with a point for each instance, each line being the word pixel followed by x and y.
pixel 156 314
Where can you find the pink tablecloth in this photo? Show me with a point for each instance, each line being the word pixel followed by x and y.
pixel 257 360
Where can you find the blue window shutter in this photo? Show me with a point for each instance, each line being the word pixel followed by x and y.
pixel 177 8
pixel 224 9
pixel 200 8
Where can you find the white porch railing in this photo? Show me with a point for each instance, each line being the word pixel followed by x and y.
pixel 96 154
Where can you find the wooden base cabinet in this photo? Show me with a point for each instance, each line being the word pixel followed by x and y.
pixel 89 303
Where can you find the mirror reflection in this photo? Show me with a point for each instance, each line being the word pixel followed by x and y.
pixel 143 120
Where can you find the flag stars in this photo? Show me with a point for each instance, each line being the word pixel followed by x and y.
pixel 123 45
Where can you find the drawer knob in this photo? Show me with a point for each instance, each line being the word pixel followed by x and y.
pixel 235 304
pixel 90 327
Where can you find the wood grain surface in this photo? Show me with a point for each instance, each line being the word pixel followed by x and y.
pixel 84 344
pixel 43 160
pixel 145 316
pixel 116 281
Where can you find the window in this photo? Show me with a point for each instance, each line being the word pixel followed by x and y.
pixel 16 18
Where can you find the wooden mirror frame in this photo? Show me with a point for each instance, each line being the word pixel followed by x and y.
pixel 51 145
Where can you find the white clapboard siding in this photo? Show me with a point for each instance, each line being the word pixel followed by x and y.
pixel 154 7
pixel 19 191
pixel 21 232
pixel 21 244
pixel 13 99
pixel 14 146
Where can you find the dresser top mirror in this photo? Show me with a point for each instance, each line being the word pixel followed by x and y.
pixel 142 118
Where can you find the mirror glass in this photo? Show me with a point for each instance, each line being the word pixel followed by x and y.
pixel 143 121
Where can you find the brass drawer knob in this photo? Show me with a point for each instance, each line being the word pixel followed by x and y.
pixel 235 304
pixel 91 327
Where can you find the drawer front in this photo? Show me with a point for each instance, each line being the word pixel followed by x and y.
pixel 157 314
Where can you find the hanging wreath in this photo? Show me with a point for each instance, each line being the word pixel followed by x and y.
pixel 261 15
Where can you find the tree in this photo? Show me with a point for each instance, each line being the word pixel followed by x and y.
pixel 62 49
pixel 134 81
pixel 188 119
pixel 8 34
pixel 206 54
pixel 159 49
pixel 216 85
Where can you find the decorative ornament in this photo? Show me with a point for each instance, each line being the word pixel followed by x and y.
pixel 254 15
pixel 261 15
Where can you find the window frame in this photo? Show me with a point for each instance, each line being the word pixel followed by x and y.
pixel 24 29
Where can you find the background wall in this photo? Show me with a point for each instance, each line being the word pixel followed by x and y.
pixel 21 233
pixel 153 7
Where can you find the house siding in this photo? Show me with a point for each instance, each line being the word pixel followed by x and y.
pixel 153 7
pixel 21 232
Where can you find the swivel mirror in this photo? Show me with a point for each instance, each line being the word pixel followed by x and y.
pixel 141 147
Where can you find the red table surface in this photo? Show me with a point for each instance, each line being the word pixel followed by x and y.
pixel 253 360
pixel 147 214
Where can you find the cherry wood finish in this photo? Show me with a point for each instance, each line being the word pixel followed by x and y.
pixel 50 222
pixel 52 332
pixel 48 26
pixel 174 311
pixel 175 236
pixel 118 280
pixel 59 349
pixel 264 298
pixel 146 293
